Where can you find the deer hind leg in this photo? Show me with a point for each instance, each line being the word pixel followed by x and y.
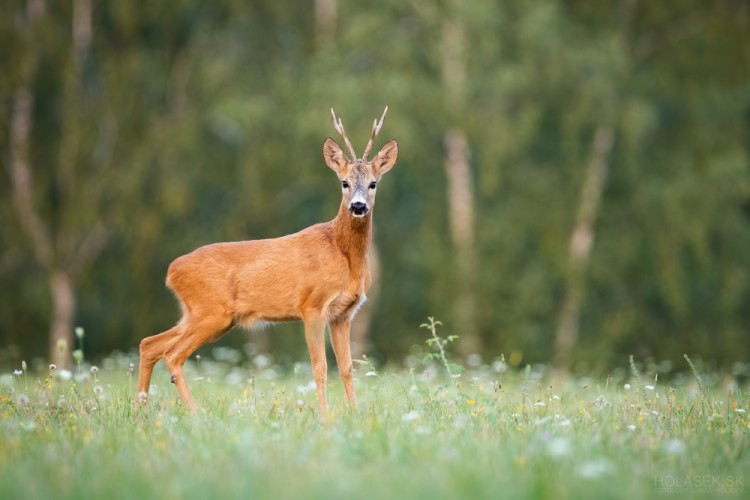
pixel 315 329
pixel 197 332
pixel 151 350
pixel 342 349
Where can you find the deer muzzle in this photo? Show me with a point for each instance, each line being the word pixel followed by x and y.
pixel 358 208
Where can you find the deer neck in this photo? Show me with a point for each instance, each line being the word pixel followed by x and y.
pixel 353 236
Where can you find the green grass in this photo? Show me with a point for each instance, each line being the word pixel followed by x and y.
pixel 515 434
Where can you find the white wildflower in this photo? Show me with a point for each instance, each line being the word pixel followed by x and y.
pixel 408 417
pixel 602 402
pixel 675 447
pixel 473 360
pixel 262 361
pixel 594 469
pixel 561 420
pixel 559 447
pixel 499 366
pixel 304 389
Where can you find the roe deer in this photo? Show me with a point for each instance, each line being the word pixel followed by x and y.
pixel 318 275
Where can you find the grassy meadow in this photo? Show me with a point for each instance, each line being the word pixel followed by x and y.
pixel 495 431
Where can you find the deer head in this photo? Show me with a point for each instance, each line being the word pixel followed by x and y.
pixel 359 177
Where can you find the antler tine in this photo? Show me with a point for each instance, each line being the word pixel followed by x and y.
pixel 339 126
pixel 375 131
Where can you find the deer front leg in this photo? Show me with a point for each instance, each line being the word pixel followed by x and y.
pixel 342 349
pixel 315 328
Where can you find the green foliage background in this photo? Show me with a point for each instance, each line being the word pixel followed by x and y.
pixel 199 121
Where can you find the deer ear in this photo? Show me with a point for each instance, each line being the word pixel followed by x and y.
pixel 333 155
pixel 386 158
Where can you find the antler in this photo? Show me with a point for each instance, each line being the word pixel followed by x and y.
pixel 339 126
pixel 375 130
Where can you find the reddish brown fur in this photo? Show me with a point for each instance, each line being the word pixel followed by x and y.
pixel 319 275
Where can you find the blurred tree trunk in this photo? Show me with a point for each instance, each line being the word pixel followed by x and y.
pixel 60 253
pixel 63 314
pixel 30 220
pixel 59 279
pixel 325 20
pixel 459 183
pixel 589 203
pixel 579 247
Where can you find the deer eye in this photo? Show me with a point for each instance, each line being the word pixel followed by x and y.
pixel 344 184
pixel 373 184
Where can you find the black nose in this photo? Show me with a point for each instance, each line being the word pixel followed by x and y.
pixel 358 208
